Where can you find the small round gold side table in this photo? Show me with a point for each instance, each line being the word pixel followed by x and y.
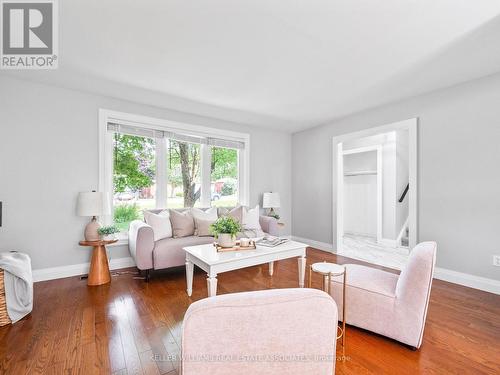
pixel 329 270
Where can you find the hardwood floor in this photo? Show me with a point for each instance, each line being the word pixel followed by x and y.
pixel 134 327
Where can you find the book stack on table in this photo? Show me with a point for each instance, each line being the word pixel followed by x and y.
pixel 271 241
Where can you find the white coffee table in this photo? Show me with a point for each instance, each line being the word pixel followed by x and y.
pixel 212 262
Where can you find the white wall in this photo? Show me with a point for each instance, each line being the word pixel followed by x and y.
pixel 458 163
pixel 48 153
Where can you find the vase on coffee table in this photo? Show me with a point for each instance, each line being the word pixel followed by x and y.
pixel 226 240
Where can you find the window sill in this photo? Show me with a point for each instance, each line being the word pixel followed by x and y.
pixel 122 240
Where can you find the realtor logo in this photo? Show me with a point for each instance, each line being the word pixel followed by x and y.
pixel 29 34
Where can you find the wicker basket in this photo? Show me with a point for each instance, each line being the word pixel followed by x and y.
pixel 4 317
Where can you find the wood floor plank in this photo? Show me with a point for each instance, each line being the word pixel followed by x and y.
pixel 134 327
pixel 130 352
pixel 114 341
pixel 148 363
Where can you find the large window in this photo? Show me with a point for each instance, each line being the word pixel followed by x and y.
pixel 149 164
pixel 184 174
pixel 224 177
pixel 134 177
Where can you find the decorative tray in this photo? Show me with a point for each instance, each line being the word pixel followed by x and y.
pixel 237 247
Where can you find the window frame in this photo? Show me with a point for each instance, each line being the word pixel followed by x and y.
pixel 105 183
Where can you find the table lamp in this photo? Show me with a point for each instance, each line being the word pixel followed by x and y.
pixel 271 201
pixel 92 204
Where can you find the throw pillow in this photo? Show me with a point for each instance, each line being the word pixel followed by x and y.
pixel 201 216
pixel 182 223
pixel 210 214
pixel 250 218
pixel 236 213
pixel 203 227
pixel 162 228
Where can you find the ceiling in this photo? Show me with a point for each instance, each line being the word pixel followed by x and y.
pixel 285 64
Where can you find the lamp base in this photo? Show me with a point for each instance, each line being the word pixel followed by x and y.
pixel 91 233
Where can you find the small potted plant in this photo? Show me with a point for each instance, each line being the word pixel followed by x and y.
pixel 108 233
pixel 225 229
pixel 274 215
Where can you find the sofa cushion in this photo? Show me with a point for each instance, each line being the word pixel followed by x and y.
pixel 169 253
pixel 203 219
pixel 162 228
pixel 182 223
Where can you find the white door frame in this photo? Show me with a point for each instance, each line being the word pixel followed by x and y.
pixel 338 178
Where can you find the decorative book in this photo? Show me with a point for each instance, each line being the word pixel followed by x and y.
pixel 271 241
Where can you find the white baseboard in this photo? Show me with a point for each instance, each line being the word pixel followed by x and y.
pixel 316 244
pixel 77 269
pixel 465 279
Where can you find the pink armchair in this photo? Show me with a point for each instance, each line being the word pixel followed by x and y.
pixel 281 331
pixel 388 304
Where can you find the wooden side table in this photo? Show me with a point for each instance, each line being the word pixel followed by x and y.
pixel 99 268
pixel 329 270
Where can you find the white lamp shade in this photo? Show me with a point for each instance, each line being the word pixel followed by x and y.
pixel 93 204
pixel 271 200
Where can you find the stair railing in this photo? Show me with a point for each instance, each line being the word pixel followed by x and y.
pixel 402 198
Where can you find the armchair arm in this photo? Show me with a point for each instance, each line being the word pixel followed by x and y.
pixel 141 244
pixel 269 225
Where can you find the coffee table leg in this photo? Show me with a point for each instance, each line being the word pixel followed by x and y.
pixel 302 270
pixel 212 285
pixel 271 268
pixel 189 277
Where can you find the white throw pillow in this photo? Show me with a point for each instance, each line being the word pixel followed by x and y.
pixel 250 219
pixel 210 214
pixel 162 227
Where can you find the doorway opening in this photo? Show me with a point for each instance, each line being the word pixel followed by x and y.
pixel 376 202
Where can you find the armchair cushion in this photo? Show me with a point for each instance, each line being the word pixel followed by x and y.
pixel 370 280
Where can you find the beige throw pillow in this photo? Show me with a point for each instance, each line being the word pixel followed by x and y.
pixel 204 218
pixel 236 213
pixel 182 223
pixel 203 227
pixel 162 228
